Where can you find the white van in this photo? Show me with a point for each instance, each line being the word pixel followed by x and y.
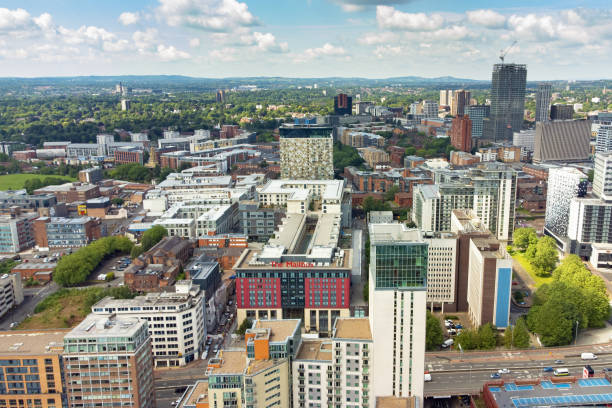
pixel 588 356
pixel 427 377
pixel 560 372
pixel 448 343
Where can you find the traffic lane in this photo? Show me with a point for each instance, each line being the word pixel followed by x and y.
pixel 33 297
pixel 600 363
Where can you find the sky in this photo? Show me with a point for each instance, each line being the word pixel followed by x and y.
pixel 557 39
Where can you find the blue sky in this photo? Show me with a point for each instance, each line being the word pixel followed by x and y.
pixel 557 39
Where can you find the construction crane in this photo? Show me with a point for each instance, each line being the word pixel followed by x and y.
pixel 503 53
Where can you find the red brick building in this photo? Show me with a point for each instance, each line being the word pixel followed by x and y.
pixel 125 156
pixel 24 155
pixel 461 133
pixel 224 241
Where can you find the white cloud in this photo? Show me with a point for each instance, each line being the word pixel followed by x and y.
pixel 390 18
pixel 44 22
pixel 352 8
pixel 14 20
pixel 327 50
pixel 128 18
pixel 85 34
pixel 486 18
pixel 210 15
pixel 378 38
pixel 453 33
pixel 264 42
pixel 117 46
pixel 383 51
pixel 170 53
pixel 194 42
pixel 145 40
pixel 226 54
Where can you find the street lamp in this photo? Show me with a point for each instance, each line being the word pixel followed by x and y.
pixel 576 336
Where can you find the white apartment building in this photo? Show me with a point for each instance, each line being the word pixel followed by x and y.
pixel 564 184
pixel 441 269
pixel 208 219
pixel 11 292
pixel 397 308
pixel 602 177
pixel 336 371
pixel 176 321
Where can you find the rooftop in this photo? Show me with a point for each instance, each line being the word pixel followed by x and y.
pixel 393 232
pixel 35 265
pixel 352 328
pixel 395 402
pixel 103 326
pixel 29 342
pixel 332 191
pixel 65 187
pixel 315 349
pixel 198 394
pixel 279 329
pixel 228 362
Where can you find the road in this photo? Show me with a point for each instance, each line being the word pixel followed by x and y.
pixel 32 296
pixel 454 373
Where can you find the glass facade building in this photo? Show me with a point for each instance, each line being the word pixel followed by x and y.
pixel 507 100
pixel 401 266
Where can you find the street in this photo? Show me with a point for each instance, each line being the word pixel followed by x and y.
pixel 31 297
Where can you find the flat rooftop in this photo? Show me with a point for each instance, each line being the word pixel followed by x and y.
pixel 35 265
pixel 250 255
pixel 102 326
pixel 29 343
pixel 279 329
pixel 353 328
pixel 315 349
pixel 232 362
pixel 198 394
pixel 395 402
pixel 329 189
pixel 543 392
pixel 393 232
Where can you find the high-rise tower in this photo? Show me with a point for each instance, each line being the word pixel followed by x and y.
pixel 507 101
pixel 543 96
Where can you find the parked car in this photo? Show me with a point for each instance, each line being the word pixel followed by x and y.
pixel 495 375
pixel 548 369
pixel 558 361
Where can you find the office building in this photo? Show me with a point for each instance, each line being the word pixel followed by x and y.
pixel 31 369
pixel 397 304
pixel 70 192
pixel 602 177
pixel 507 101
pixel 461 133
pixel 306 152
pixel 562 141
pixel 525 139
pixel 259 375
pixel 16 233
pixel 139 137
pixel 220 96
pixel 477 114
pixel 373 156
pixel 259 222
pixel 130 154
pixel 603 142
pixel 489 283
pixel 91 175
pixel 101 345
pixel 126 105
pixel 543 96
pixel 430 109
pixel 446 97
pixel 176 321
pixel 343 104
pixel 60 232
pixel 441 269
pixel 561 112
pixel 459 101
pixel 564 184
pixel 489 190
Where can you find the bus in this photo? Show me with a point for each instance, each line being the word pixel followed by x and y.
pixel 559 372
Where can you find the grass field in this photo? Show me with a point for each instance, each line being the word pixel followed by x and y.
pixel 15 181
pixel 539 280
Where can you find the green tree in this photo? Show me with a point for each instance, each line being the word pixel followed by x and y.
pixel 118 201
pixel 372 204
pixel 390 195
pixel 487 337
pixel 543 255
pixel 366 291
pixel 136 251
pixel 521 334
pixel 524 237
pixel 508 337
pixel 433 332
pixel 152 236
pixel 468 339
pixel 110 276
pixel 246 324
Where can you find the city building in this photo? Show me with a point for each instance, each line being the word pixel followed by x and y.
pixel 446 97
pixel 39 271
pixel 259 222
pixel 477 114
pixel 602 176
pixel 259 375
pixel 220 96
pixel 355 138
pixel 343 104
pixel 603 141
pixel 507 101
pixel 130 154
pixel 441 269
pixel 561 112
pixel 60 232
pixel 100 345
pixel 31 369
pixel 11 292
pixel 126 105
pixel 306 152
pixel 525 139
pixel 430 109
pixel 543 96
pixel 489 190
pixel 458 158
pixel 98 207
pixel 176 321
pixel 562 141
pixel 564 184
pixel 461 133
pixel 16 233
pixel 70 192
pixel 91 175
pixel 460 100
pixel 397 304
pixel 489 283
pixel 373 156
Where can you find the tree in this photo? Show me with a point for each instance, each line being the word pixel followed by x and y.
pixel 390 195
pixel 366 291
pixel 524 237
pixel 117 201
pixel 372 204
pixel 468 339
pixel 110 276
pixel 543 256
pixel 487 337
pixel 521 334
pixel 152 236
pixel 508 337
pixel 246 324
pixel 433 332
pixel 136 251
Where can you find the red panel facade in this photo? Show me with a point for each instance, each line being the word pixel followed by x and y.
pixel 258 293
pixel 336 289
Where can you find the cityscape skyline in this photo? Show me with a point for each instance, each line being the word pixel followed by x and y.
pixel 346 38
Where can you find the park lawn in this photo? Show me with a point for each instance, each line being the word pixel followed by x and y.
pixel 64 312
pixel 539 280
pixel 16 181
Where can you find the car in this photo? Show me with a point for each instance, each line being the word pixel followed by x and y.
pixel 216 348
pixel 514 283
pixel 607 370
pixel 458 326
pixel 13 324
pixel 503 371
pixel 558 361
pixel 495 375
pixel 209 341
pixel 548 369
